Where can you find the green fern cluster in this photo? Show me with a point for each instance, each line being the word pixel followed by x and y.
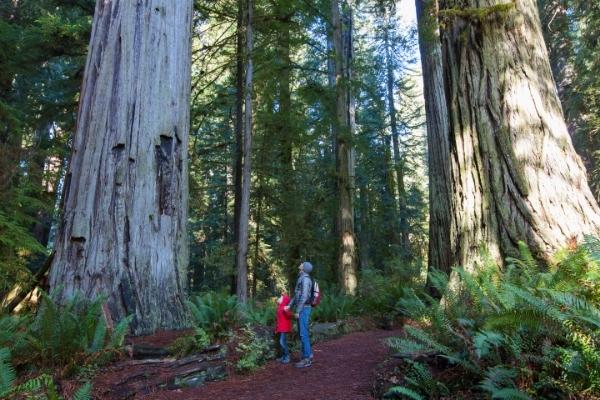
pixel 73 334
pixel 254 350
pixel 259 314
pixel 215 312
pixel 379 292
pixel 42 387
pixel 186 345
pixel 525 332
pixel 59 338
pixel 334 307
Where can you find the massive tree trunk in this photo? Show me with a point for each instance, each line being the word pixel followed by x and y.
pixel 345 128
pixel 242 249
pixel 514 172
pixel 438 145
pixel 123 232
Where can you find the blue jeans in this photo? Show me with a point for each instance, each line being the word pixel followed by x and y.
pixel 303 323
pixel 285 352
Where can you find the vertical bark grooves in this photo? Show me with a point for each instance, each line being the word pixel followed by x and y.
pixel 123 233
pixel 440 183
pixel 514 171
pixel 242 250
pixel 343 47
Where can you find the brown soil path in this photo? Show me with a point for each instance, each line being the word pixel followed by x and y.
pixel 343 369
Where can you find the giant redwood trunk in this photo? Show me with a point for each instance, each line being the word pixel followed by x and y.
pixel 345 128
pixel 123 232
pixel 513 170
pixel 438 146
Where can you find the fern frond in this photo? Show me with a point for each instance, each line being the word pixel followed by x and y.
pixel 402 391
pixel 84 392
pixel 7 372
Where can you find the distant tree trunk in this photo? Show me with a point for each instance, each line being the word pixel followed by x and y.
pixel 342 43
pixel 39 176
pixel 332 105
pixel 123 232
pixel 239 133
pixel 365 223
pixel 438 144
pixel 398 162
pixel 291 203
pixel 514 172
pixel 242 250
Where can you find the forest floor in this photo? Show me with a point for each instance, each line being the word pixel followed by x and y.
pixel 343 368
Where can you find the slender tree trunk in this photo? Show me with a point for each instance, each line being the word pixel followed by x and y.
pixel 365 223
pixel 398 162
pixel 123 232
pixel 332 106
pixel 256 262
pixel 291 204
pixel 514 172
pixel 239 134
pixel 242 250
pixel 438 144
pixel 342 42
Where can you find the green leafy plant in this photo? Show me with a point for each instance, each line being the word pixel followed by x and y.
pixel 41 386
pixel 254 350
pixel 520 333
pixel 189 344
pixel 334 307
pixel 74 333
pixel 259 314
pixel 215 312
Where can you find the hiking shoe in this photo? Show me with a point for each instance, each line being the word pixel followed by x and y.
pixel 305 363
pixel 283 360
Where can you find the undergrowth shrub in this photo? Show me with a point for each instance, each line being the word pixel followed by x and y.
pixel 215 312
pixel 254 350
pixel 59 339
pixel 334 307
pixel 189 344
pixel 262 314
pixel 522 333
pixel 74 334
pixel 379 293
pixel 40 387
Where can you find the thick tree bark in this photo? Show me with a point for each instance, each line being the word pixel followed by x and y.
pixel 123 232
pixel 345 118
pixel 242 250
pixel 438 145
pixel 515 175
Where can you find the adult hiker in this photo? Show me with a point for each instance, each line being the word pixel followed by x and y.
pixel 301 306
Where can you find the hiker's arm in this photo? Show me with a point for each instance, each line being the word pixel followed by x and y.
pixel 291 304
pixel 304 294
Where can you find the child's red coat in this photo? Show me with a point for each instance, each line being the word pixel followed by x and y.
pixel 283 319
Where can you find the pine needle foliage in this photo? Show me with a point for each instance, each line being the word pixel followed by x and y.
pixel 522 332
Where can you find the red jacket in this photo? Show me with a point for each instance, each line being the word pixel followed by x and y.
pixel 283 319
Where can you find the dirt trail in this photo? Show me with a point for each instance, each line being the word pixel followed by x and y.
pixel 343 369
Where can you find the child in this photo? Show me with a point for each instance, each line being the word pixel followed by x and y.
pixel 283 325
